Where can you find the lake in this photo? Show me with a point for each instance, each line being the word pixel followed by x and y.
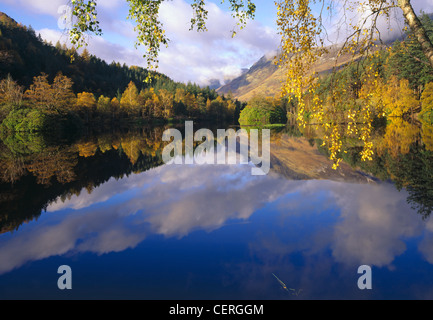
pixel 131 227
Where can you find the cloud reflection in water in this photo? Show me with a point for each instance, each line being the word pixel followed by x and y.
pixel 369 222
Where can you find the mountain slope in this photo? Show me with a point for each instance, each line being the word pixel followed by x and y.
pixel 6 20
pixel 24 55
pixel 266 78
pixel 249 81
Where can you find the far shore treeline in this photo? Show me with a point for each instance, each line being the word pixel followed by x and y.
pixel 44 87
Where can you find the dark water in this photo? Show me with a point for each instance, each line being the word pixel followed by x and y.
pixel 130 226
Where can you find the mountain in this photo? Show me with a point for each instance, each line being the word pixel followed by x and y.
pixel 262 72
pixel 265 77
pixel 6 20
pixel 214 84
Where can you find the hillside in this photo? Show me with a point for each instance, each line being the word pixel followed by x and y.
pixel 266 78
pixel 6 20
pixel 24 55
pixel 257 79
pixel 53 82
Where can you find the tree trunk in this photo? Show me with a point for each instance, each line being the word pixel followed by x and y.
pixel 417 28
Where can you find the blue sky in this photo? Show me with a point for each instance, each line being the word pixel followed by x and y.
pixel 191 56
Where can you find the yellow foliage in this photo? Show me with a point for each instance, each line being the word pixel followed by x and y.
pixel 132 147
pixel 115 103
pixel 86 100
pixel 427 135
pixel 10 92
pixel 52 98
pixel 87 149
pixel 130 97
pixel 399 135
pixel 167 102
pixel 398 98
pixel 303 45
pixel 427 100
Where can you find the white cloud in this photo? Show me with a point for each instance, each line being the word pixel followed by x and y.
pixel 53 36
pixel 99 47
pixel 49 7
pixel 375 222
pixel 214 54
pixel 158 206
pixel 371 226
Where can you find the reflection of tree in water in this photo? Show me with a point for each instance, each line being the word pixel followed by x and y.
pixel 414 171
pixel 33 176
pixel 403 154
pixel 12 169
pixel 399 136
pixel 53 163
pixel 32 180
pixel 427 136
pixel 410 162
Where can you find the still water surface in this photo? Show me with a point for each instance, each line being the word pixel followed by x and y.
pixel 130 226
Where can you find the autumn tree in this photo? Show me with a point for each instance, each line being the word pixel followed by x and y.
pixel 179 96
pixel 398 137
pixel 217 109
pixel 427 102
pixel 86 100
pixel 52 164
pixel 10 92
pixel 201 103
pixel 398 98
pixel 87 149
pixel 179 99
pixel 191 104
pixel 166 98
pixel 86 104
pixel 85 55
pixel 145 102
pixel 103 106
pixel 115 107
pixel 39 92
pixel 158 108
pixel 52 98
pixel 151 104
pixel 130 100
pixel 62 94
pixel 11 95
pixel 231 109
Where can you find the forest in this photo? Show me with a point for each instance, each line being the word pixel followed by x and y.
pixel 47 87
